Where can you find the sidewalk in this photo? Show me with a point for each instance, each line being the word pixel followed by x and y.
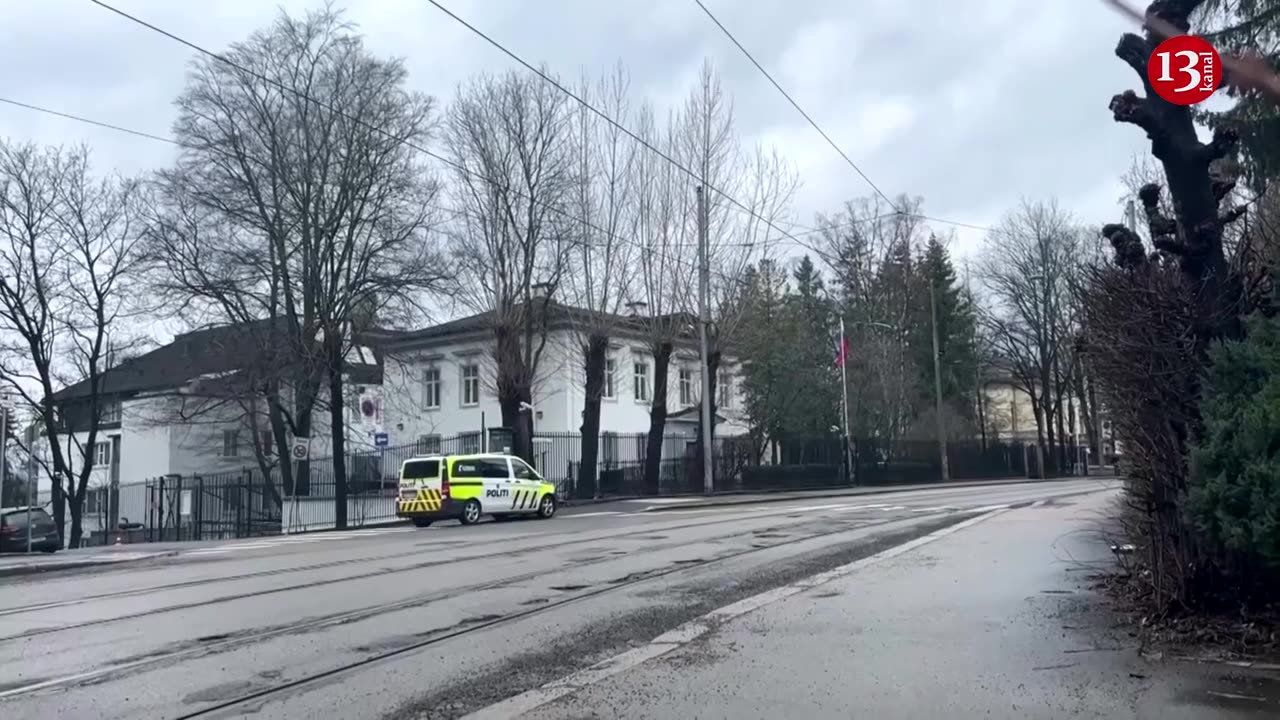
pixel 24 564
pixel 992 621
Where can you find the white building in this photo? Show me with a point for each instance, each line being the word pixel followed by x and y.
pixel 176 411
pixel 440 382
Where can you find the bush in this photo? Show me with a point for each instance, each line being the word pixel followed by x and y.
pixel 1235 469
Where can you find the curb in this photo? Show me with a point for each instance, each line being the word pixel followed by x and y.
pixel 39 568
pixel 845 492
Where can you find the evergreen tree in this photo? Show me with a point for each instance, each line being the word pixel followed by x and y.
pixel 816 405
pixel 1234 497
pixel 957 332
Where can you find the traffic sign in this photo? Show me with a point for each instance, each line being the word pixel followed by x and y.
pixel 301 448
pixel 380 439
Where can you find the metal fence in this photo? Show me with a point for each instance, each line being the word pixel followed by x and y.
pixel 244 503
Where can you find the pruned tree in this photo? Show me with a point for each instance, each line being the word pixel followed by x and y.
pixel 1028 267
pixel 604 201
pixel 510 141
pixel 68 263
pixel 299 209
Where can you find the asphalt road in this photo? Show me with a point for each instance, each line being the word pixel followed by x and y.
pixel 445 621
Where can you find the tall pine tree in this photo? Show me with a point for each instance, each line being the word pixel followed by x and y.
pixel 957 333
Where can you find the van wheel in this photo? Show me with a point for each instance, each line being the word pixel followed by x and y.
pixel 470 512
pixel 547 507
pixel 422 522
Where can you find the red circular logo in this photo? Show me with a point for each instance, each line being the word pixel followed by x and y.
pixel 1184 70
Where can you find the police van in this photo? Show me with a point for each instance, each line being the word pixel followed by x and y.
pixel 465 487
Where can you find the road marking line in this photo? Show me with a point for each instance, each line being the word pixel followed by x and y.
pixel 594 514
pixel 514 707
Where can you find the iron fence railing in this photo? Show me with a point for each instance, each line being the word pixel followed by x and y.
pixel 245 503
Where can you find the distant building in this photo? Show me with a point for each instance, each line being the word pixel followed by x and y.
pixel 440 381
pixel 188 407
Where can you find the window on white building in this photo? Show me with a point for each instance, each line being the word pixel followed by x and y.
pixel 724 398
pixel 102 454
pixel 230 443
pixel 610 379
pixel 111 412
pixel 268 442
pixel 640 384
pixel 686 386
pixel 431 388
pixel 428 445
pixel 471 385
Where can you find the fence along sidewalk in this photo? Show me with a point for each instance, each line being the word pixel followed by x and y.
pixel 242 503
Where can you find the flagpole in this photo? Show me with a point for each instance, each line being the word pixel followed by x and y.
pixel 844 397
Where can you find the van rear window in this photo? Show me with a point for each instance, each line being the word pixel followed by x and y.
pixel 420 469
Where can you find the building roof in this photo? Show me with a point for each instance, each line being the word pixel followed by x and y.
pixel 215 352
pixel 559 316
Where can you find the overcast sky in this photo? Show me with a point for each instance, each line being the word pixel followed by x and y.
pixel 971 105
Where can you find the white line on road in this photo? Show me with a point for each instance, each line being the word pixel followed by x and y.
pixel 518 705
pixel 595 514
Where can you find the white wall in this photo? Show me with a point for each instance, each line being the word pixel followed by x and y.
pixel 144 445
pixel 558 393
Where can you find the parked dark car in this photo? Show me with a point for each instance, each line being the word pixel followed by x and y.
pixel 13 530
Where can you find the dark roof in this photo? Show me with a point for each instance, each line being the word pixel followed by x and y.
pixel 559 316
pixel 214 350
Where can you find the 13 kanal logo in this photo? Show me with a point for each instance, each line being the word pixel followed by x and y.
pixel 1184 70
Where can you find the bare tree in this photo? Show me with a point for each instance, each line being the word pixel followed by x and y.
pixel 1028 267
pixel 510 141
pixel 665 286
pixel 67 262
pixel 604 201
pixel 300 210
pixel 748 195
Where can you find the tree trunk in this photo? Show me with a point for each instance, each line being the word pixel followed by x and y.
pixel 713 364
pixel 1087 419
pixel 657 418
pixel 515 391
pixel 77 522
pixel 594 352
pixel 982 415
pixel 337 428
pixel 304 402
pixel 59 507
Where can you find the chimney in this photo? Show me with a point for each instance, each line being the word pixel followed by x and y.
pixel 637 307
pixel 541 291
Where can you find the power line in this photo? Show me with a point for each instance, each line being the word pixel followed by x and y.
pixel 796 105
pixel 604 116
pixel 821 132
pixel 662 248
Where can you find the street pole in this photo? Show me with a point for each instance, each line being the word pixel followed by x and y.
pixel 32 480
pixel 704 271
pixel 844 400
pixel 4 441
pixel 937 386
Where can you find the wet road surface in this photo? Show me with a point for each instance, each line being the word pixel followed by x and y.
pixel 446 621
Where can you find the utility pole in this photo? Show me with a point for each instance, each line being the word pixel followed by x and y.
pixel 31 478
pixel 844 399
pixel 937 386
pixel 704 272
pixel 4 441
